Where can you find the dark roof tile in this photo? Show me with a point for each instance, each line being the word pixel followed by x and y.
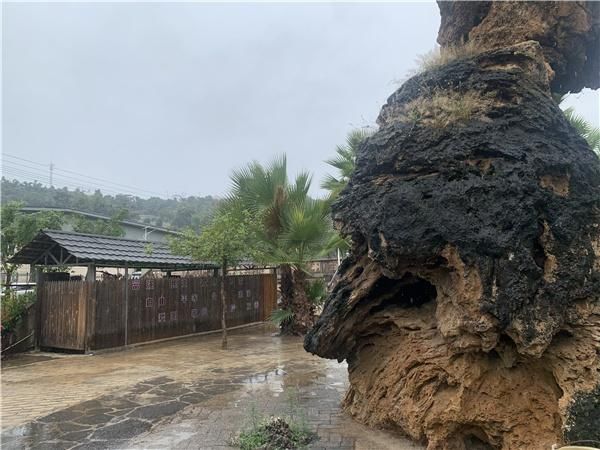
pixel 104 250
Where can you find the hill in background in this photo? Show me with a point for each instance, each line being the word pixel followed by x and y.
pixel 175 213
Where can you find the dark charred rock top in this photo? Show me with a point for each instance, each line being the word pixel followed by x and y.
pixel 569 33
pixel 475 155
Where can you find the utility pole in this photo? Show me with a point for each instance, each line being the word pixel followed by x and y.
pixel 51 174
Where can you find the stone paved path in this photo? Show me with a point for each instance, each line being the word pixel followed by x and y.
pixel 184 394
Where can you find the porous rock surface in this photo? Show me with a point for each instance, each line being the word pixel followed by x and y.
pixel 469 308
pixel 568 31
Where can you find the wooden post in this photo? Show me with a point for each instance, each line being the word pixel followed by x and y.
pixel 39 282
pixel 224 305
pixel 91 273
pixel 126 303
pixel 90 314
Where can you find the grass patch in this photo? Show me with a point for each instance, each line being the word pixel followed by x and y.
pixel 276 433
pixel 441 56
pixel 442 108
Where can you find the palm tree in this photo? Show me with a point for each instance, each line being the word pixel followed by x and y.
pixel 295 228
pixel 344 161
pixel 585 129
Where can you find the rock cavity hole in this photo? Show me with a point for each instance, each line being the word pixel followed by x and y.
pixel 409 291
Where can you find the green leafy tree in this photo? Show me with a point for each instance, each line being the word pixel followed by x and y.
pixel 18 228
pixel 227 240
pixel 293 230
pixel 13 308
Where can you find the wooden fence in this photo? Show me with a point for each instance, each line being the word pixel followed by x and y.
pixel 80 315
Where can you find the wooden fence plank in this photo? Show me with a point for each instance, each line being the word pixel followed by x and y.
pixel 80 315
pixel 63 315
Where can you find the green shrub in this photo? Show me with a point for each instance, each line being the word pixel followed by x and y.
pixel 13 308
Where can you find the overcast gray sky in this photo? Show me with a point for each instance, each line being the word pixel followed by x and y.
pixel 169 98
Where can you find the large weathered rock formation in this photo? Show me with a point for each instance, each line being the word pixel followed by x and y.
pixel 469 308
pixel 568 32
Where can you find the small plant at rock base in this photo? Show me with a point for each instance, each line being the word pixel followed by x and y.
pixel 274 433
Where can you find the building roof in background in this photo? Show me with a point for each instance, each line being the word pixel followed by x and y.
pixel 55 248
pixel 97 216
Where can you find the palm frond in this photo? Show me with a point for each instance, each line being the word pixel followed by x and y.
pixel 298 191
pixel 344 161
pixel 585 129
pixel 333 184
pixel 316 292
pixel 337 242
pixel 282 316
pixel 578 122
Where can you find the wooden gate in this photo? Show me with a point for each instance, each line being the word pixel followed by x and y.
pixel 63 314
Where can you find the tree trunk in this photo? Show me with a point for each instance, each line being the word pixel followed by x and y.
pixel 287 286
pixel 294 298
pixel 287 295
pixel 304 311
pixel 223 305
pixel 9 270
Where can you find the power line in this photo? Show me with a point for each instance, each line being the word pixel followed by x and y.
pixel 56 169
pixel 35 173
pixel 68 179
pixel 120 186
pixel 32 174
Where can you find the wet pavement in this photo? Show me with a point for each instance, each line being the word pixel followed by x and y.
pixel 183 394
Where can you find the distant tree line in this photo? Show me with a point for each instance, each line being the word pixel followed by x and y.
pixel 180 213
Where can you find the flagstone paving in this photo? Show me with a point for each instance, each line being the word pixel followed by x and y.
pixel 184 394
